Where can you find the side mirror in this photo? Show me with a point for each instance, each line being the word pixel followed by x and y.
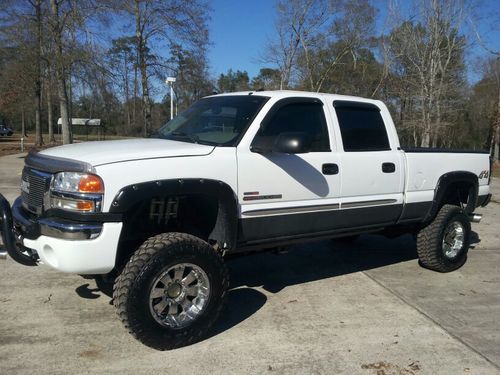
pixel 292 143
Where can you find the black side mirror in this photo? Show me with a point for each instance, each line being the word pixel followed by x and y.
pixel 292 143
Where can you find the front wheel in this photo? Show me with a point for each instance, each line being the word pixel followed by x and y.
pixel 171 291
pixel 443 244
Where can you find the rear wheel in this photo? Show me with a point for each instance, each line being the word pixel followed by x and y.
pixel 171 291
pixel 443 244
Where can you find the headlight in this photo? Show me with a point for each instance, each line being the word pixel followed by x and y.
pixel 76 192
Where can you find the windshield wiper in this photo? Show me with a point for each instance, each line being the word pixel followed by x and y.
pixel 192 138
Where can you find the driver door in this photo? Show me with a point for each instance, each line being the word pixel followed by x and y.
pixel 283 195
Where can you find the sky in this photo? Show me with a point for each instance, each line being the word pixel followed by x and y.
pixel 239 30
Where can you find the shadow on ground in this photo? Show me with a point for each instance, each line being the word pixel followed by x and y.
pixel 299 264
pixel 318 260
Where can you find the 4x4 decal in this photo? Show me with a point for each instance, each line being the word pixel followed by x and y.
pixel 483 174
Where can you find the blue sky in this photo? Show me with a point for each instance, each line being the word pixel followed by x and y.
pixel 239 30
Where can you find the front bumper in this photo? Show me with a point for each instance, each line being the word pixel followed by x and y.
pixel 32 226
pixel 68 246
pixel 95 256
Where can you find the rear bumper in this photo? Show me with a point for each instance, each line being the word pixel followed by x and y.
pixel 483 200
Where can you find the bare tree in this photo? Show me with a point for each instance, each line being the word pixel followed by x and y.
pixel 313 37
pixel 291 21
pixel 37 5
pixel 57 26
pixel 48 95
pixel 429 48
pixel 121 61
pixel 175 21
pixel 493 140
pixel 22 30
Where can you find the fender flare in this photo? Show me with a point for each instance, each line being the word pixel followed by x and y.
pixel 226 226
pixel 445 181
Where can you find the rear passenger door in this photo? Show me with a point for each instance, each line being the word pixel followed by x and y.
pixel 372 167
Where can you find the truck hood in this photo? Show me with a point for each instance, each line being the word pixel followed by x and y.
pixel 106 152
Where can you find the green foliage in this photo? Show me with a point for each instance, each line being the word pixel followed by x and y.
pixel 233 81
pixel 267 79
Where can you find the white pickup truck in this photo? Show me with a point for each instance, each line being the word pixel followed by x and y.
pixel 233 173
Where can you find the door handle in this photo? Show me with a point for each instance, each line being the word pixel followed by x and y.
pixel 388 167
pixel 330 168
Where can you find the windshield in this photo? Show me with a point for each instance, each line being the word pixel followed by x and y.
pixel 219 120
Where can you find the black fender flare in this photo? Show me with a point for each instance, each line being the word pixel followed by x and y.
pixel 445 181
pixel 227 218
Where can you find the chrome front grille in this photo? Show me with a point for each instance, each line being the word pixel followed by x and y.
pixel 34 186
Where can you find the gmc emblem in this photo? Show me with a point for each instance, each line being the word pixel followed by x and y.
pixel 25 186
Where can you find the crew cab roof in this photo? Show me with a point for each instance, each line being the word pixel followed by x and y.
pixel 281 94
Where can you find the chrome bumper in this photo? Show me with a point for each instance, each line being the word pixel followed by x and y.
pixel 17 225
pixel 31 226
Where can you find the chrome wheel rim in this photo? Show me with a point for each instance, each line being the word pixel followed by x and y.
pixel 179 295
pixel 453 239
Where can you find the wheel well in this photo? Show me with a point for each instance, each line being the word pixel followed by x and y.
pixel 458 189
pixel 201 215
pixel 459 194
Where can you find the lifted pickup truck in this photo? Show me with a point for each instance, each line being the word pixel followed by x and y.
pixel 233 173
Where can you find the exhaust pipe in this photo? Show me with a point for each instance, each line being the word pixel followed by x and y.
pixel 475 218
pixel 3 253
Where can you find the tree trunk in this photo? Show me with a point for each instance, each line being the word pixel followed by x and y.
pixel 38 78
pixel 136 83
pixel 60 73
pixel 127 94
pixel 425 123
pixel 49 108
pixel 494 136
pixel 141 50
pixel 23 124
pixel 496 151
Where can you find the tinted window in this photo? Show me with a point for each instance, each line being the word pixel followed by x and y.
pixel 362 128
pixel 306 117
pixel 218 120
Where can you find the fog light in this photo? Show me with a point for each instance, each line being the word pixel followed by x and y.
pixel 72 204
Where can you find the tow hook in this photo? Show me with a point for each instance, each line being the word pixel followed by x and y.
pixel 7 232
pixel 475 218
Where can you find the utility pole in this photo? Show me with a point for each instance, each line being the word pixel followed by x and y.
pixel 170 81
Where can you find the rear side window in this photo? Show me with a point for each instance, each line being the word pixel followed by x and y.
pixel 361 127
pixel 306 117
